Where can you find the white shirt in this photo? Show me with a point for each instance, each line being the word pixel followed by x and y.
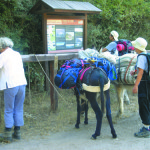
pixel 11 69
pixel 112 48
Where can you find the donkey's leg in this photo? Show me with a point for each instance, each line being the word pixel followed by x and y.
pixel 82 106
pixel 92 98
pixel 108 114
pixel 119 90
pixel 78 111
pixel 85 107
pixel 126 97
pixel 86 113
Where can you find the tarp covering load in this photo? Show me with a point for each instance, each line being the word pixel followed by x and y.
pixel 88 54
pixel 125 59
pixel 124 65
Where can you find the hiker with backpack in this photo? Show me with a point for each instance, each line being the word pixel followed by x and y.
pixel 142 86
pixel 112 46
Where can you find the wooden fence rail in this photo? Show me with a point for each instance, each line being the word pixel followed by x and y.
pixel 48 57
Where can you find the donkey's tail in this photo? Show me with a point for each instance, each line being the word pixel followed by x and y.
pixel 101 83
pixel 103 87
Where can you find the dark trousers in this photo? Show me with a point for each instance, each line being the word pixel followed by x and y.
pixel 144 102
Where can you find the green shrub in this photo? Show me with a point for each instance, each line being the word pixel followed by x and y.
pixel 129 18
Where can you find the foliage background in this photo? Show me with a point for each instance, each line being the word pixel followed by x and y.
pixel 129 18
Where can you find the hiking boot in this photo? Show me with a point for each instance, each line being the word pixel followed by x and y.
pixel 16 134
pixel 6 136
pixel 144 132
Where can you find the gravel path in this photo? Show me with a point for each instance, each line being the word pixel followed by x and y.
pixel 79 139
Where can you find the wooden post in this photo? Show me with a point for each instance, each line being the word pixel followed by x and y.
pixel 44 26
pixel 53 94
pixel 55 72
pixel 85 32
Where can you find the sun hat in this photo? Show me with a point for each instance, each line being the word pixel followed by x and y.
pixel 115 35
pixel 140 43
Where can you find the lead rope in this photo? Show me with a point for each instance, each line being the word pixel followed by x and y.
pixel 48 78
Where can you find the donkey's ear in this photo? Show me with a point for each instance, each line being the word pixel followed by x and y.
pixel 100 50
pixel 93 47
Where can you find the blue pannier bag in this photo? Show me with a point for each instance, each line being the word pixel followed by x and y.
pixel 108 67
pixel 66 77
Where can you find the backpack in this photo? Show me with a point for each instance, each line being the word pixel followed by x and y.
pixel 148 61
pixel 66 77
pixel 124 46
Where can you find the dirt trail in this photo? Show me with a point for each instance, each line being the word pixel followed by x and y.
pixel 79 139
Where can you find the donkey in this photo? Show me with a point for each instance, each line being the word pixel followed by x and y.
pixel 94 81
pixel 121 88
pixel 125 81
pixel 122 97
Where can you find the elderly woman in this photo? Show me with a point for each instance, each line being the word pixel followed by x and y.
pixel 13 82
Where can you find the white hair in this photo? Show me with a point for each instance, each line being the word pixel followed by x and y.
pixel 5 42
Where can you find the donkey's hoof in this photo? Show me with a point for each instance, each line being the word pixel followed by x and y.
pixel 77 126
pixel 93 137
pixel 119 114
pixel 114 136
pixel 85 122
pixel 127 102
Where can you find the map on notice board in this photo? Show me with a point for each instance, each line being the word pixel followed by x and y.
pixel 64 34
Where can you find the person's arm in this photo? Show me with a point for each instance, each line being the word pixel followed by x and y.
pixel 138 79
pixel 104 49
pixel 1 61
pixel 111 46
